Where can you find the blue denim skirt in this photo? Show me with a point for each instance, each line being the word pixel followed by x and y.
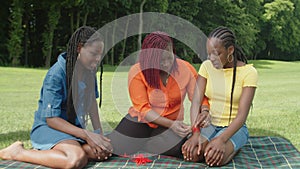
pixel 45 138
pixel 238 140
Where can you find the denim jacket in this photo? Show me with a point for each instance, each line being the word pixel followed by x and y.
pixel 53 95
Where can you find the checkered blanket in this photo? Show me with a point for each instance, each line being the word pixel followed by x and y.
pixel 260 152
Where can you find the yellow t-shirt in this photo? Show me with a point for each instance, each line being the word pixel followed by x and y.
pixel 218 89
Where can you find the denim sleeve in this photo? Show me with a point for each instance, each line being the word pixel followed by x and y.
pixel 52 95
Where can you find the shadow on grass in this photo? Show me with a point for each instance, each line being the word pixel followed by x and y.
pixel 11 137
pixel 263 132
pixel 262 64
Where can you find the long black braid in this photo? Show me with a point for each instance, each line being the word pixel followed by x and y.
pixel 82 35
pixel 228 39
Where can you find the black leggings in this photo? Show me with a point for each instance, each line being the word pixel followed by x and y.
pixel 131 136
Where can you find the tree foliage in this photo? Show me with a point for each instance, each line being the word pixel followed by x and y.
pixel 283 28
pixel 35 32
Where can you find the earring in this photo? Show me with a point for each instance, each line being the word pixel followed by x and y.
pixel 230 59
pixel 78 56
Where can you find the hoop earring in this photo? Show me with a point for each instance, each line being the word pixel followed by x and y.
pixel 230 59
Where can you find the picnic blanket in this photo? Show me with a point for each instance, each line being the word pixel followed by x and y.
pixel 259 152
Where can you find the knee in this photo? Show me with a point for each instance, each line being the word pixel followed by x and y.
pixel 77 160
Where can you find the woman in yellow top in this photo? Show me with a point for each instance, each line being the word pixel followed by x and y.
pixel 158 84
pixel 229 83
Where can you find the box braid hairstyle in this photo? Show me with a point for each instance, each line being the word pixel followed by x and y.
pixel 81 36
pixel 227 37
pixel 150 59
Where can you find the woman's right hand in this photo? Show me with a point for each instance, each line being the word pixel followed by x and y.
pixel 98 143
pixel 180 128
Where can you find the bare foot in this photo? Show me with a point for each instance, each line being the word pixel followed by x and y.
pixel 11 152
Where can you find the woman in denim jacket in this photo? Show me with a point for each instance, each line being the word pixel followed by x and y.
pixel 67 99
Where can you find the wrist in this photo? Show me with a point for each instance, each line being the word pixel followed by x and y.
pixel 223 139
pixel 170 124
pixel 83 134
pixel 197 134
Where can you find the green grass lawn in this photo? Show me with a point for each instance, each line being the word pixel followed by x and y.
pixel 275 112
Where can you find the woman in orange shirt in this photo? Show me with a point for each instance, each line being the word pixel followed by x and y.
pixel 158 84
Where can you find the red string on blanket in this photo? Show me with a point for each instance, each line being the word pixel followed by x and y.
pixel 139 159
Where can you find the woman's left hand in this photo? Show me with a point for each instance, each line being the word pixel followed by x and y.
pixel 98 143
pixel 215 151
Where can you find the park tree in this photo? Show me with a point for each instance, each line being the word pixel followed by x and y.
pixel 16 35
pixel 119 9
pixel 79 12
pixel 281 28
pixel 4 27
pixel 254 11
pixel 295 24
pixel 187 11
pixel 232 14
pixel 48 35
pixel 35 32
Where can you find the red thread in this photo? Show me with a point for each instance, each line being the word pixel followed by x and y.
pixel 140 159
pixel 195 129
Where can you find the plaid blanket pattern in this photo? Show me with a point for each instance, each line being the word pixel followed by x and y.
pixel 260 152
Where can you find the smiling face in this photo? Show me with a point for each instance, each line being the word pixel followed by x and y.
pixel 167 59
pixel 90 54
pixel 217 53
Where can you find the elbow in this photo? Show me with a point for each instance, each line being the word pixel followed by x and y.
pixel 241 119
pixel 51 121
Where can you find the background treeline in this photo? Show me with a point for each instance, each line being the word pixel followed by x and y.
pixel 34 32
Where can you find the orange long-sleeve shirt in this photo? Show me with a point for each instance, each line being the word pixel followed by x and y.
pixel 166 101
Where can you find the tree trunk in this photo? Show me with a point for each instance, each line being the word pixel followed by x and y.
pixel 113 41
pixel 106 39
pixel 124 43
pixel 14 45
pixel 26 40
pixel 85 18
pixel 77 20
pixel 53 18
pixel 141 24
pixel 72 22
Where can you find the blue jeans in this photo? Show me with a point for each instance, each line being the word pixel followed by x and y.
pixel 239 139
